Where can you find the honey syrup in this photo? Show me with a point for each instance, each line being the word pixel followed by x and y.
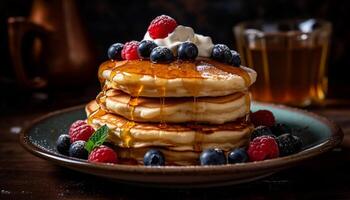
pixel 191 72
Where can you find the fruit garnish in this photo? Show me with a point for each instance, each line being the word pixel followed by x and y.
pixel 77 123
pixel 97 139
pixel 288 144
pixel 115 51
pixel 161 26
pixel 237 156
pixel 279 129
pixel 77 150
pixel 260 131
pixel 262 118
pixel 80 130
pixel 221 53
pixel 187 51
pixel 103 154
pixel 262 148
pixel 63 144
pixel 154 157
pixel 212 157
pixel 145 48
pixel 161 55
pixel 129 51
pixel 236 58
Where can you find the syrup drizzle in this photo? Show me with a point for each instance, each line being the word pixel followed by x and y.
pixel 177 69
pixel 96 114
pixel 124 126
pixel 100 99
pixel 198 137
pixel 133 70
pixel 134 101
pixel 162 123
pixel 125 134
pixel 162 92
pixel 247 102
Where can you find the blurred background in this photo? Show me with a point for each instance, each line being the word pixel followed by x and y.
pixel 92 26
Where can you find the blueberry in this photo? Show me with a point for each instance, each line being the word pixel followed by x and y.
pixel 77 150
pixel 187 51
pixel 145 48
pixel 237 156
pixel 279 129
pixel 236 59
pixel 221 53
pixel 115 51
pixel 161 55
pixel 288 144
pixel 260 131
pixel 212 157
pixel 154 157
pixel 63 144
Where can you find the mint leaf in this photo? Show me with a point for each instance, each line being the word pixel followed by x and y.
pixel 97 138
pixel 89 145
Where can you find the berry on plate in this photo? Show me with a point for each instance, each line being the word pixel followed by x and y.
pixel 115 51
pixel 103 154
pixel 129 51
pixel 221 53
pixel 145 48
pixel 289 144
pixel 260 131
pixel 279 129
pixel 63 144
pixel 262 118
pixel 154 157
pixel 77 150
pixel 212 157
pixel 237 156
pixel 161 26
pixel 187 51
pixel 161 55
pixel 80 130
pixel 262 148
pixel 236 59
pixel 77 123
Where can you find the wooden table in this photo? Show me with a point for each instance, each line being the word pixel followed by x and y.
pixel 24 176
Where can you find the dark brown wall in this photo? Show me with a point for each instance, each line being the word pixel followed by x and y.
pixel 110 21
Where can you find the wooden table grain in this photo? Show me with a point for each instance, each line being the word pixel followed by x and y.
pixel 24 176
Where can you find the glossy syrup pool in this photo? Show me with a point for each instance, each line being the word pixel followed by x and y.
pixel 177 69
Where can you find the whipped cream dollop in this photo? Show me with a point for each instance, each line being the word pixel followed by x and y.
pixel 185 34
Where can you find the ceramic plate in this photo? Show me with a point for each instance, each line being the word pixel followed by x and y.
pixel 320 135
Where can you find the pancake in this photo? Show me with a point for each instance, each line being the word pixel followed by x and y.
pixel 135 156
pixel 176 137
pixel 214 110
pixel 202 77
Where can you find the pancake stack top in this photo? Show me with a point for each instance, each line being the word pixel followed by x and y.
pixel 175 90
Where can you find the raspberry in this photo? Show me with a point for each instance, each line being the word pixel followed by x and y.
pixel 80 130
pixel 77 123
pixel 262 118
pixel 262 148
pixel 129 51
pixel 103 154
pixel 161 26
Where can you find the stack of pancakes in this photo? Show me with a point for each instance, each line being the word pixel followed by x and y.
pixel 179 108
